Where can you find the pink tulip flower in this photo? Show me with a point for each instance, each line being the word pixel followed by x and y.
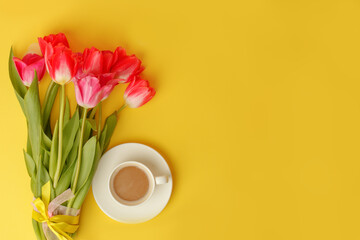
pixel 28 65
pixel 138 93
pixel 90 89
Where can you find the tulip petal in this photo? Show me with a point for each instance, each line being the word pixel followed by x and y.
pixel 62 73
pixel 119 54
pixel 20 65
pixel 107 61
pixel 126 68
pixel 92 61
pixel 28 75
pixel 31 58
pixel 39 66
pixel 107 88
pixel 42 45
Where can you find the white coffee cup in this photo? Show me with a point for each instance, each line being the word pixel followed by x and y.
pixel 153 181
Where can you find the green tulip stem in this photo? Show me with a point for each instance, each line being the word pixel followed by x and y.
pixel 61 122
pixel 99 124
pixel 121 108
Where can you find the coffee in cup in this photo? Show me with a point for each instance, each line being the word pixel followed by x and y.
pixel 132 183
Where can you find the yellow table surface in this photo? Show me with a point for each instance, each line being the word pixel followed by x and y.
pixel 257 113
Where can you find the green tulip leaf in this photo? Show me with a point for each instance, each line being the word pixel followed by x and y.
pixel 81 194
pixel 87 131
pixel 30 165
pixel 73 152
pixel 65 179
pixel 36 229
pixel 110 124
pixel 28 145
pixel 103 137
pixel 87 161
pixel 98 155
pixel 46 158
pixel 18 85
pixel 33 186
pixel 92 112
pixel 46 141
pixel 50 96
pixel 92 123
pixel 69 133
pixel 42 177
pixel 21 101
pixel 33 116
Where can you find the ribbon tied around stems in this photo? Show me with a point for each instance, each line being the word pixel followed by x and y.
pixel 44 212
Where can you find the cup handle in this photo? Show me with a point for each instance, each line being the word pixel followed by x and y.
pixel 161 180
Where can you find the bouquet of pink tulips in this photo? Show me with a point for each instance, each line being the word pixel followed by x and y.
pixel 61 160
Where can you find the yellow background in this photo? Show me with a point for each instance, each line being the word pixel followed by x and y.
pixel 257 113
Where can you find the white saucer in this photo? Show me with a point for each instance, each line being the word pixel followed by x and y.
pixel 131 152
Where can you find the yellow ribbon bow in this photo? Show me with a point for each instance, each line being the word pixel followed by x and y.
pixel 60 225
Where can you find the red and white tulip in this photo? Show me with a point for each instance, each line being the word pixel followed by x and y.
pixel 138 93
pixel 60 61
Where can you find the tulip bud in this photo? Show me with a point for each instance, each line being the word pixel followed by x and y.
pixel 138 93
